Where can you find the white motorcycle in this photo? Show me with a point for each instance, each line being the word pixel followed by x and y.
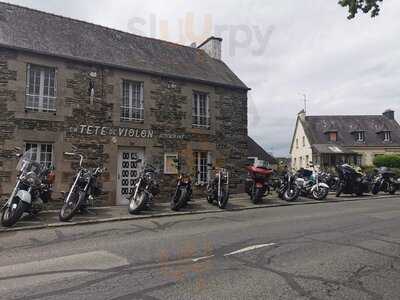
pixel 32 190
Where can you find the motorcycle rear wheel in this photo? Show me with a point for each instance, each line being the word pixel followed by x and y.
pixel 137 204
pixel 257 195
pixel 11 216
pixel 392 189
pixel 179 200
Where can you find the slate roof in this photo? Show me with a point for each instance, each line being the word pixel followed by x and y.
pixel 317 127
pixel 44 33
pixel 255 150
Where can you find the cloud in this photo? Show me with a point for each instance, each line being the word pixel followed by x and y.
pixel 308 47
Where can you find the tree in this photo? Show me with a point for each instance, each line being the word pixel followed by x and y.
pixel 387 160
pixel 365 6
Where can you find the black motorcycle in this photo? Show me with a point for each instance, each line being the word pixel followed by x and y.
pixel 32 190
pixel 385 182
pixel 288 189
pixel 83 190
pixel 218 187
pixel 330 179
pixel 351 181
pixel 146 188
pixel 183 191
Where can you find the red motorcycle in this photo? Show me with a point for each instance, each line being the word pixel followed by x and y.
pixel 257 183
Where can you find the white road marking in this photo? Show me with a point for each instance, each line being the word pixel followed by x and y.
pixel 250 248
pixel 202 258
pixel 39 272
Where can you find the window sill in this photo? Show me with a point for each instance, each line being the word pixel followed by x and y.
pixel 131 121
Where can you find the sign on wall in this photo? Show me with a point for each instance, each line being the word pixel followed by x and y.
pixel 113 131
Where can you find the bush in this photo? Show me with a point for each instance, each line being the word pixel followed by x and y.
pixel 387 160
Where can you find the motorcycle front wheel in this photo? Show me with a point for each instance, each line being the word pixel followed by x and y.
pixel 136 204
pixel 223 199
pixel 339 189
pixel 375 189
pixel 320 194
pixel 70 208
pixel 13 213
pixel 291 194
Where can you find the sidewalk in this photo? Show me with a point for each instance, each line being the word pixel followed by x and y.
pixel 49 219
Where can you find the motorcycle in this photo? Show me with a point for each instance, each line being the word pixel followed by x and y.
pixel 351 181
pixel 183 191
pixel 331 180
pixel 257 185
pixel 385 182
pixel 218 187
pixel 83 190
pixel 146 188
pixel 288 189
pixel 309 184
pixel 32 190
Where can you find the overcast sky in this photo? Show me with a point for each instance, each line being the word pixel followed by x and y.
pixel 280 49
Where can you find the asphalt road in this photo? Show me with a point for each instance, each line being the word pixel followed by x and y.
pixel 347 250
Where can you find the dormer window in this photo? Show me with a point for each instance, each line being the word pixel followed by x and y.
pixel 333 136
pixel 360 136
pixel 387 136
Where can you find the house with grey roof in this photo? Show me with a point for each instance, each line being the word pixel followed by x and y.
pixel 327 141
pixel 116 96
pixel 257 153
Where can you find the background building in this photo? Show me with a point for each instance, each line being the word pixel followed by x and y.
pixel 115 96
pixel 256 153
pixel 331 140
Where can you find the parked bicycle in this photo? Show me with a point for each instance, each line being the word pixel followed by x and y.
pixel 84 188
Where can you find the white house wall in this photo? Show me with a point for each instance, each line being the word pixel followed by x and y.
pixel 301 153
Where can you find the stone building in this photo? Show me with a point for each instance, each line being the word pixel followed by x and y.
pixel 115 96
pixel 331 140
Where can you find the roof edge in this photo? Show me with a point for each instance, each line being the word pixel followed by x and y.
pixel 142 71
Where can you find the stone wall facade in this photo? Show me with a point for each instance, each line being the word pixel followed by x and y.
pixel 167 115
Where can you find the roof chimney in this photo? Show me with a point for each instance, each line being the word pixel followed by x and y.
pixel 212 46
pixel 302 114
pixel 389 114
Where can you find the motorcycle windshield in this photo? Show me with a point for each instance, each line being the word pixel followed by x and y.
pixel 27 162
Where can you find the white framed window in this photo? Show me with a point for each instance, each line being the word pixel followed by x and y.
pixel 201 110
pixel 170 166
pixel 42 153
pixel 304 141
pixel 132 105
pixel 40 89
pixel 360 136
pixel 387 136
pixel 201 160
pixel 297 143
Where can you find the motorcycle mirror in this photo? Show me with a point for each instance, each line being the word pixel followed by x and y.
pixel 74 148
pixel 17 148
pixel 210 165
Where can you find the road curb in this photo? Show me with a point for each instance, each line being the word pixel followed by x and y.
pixel 185 213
